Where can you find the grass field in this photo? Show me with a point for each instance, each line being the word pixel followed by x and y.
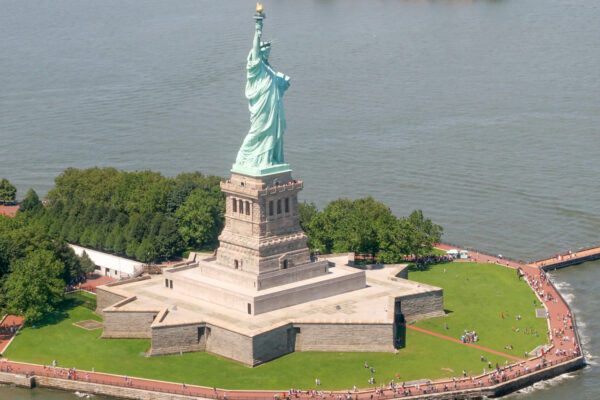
pixel 425 356
pixel 476 296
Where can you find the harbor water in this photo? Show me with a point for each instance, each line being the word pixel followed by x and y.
pixel 484 114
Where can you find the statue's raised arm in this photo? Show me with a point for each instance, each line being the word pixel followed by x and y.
pixel 262 150
pixel 257 37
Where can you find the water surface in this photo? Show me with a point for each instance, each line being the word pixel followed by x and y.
pixel 484 114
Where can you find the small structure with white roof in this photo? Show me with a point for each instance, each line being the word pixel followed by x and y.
pixel 111 265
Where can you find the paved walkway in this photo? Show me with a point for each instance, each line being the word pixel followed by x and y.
pixel 9 211
pixel 6 333
pixel 482 258
pixel 94 280
pixel 569 258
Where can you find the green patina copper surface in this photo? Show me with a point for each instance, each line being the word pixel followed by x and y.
pixel 261 152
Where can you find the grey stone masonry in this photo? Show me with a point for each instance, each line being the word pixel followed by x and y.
pixel 344 336
pixel 422 305
pixel 105 298
pixel 262 231
pixel 128 324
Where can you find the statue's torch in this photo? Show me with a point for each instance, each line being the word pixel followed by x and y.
pixel 260 15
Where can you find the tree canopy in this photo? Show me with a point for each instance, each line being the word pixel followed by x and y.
pixel 31 202
pixel 366 226
pixel 8 192
pixel 35 267
pixel 34 287
pixel 141 215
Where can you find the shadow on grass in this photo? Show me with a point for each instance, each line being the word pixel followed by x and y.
pixel 51 318
pixel 61 312
pixel 400 341
pixel 82 299
pixel 420 267
pixel 412 267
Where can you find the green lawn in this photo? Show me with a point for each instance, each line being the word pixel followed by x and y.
pixel 475 296
pixel 425 356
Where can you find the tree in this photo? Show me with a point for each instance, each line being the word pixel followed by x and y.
pixel 120 242
pixel 132 247
pixel 306 213
pixel 34 288
pixel 87 265
pixel 145 251
pixel 168 240
pixel 8 192
pixel 67 256
pixel 366 226
pixel 31 203
pixel 5 255
pixel 426 233
pixel 179 193
pixel 201 218
pixel 396 240
pixel 346 225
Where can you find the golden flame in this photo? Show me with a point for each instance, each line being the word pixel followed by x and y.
pixel 259 7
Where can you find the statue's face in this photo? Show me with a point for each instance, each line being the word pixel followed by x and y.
pixel 265 51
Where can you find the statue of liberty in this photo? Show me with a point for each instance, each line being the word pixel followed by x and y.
pixel 262 150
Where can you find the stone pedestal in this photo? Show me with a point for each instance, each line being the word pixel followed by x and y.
pixel 262 233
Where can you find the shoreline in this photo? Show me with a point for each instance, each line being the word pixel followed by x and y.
pixel 556 360
pixel 125 392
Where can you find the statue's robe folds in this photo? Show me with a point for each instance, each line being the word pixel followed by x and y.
pixel 263 145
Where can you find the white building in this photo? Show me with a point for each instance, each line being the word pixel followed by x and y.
pixel 111 265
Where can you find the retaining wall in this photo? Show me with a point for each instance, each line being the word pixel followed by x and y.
pixel 422 305
pixel 536 376
pixel 134 393
pixel 107 390
pixel 341 337
pixel 128 324
pixel 273 344
pixel 105 299
pixel 16 379
pixel 173 339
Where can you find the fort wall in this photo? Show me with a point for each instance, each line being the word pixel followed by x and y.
pixel 106 298
pixel 422 305
pixel 344 336
pixel 128 324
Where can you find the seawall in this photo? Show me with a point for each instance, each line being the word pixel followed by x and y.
pixel 107 390
pixel 145 393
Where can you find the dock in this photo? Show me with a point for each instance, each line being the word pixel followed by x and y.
pixel 566 260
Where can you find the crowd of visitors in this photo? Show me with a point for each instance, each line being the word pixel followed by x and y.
pixel 76 283
pixel 8 330
pixel 469 337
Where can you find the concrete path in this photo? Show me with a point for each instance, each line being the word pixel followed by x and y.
pixel 8 322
